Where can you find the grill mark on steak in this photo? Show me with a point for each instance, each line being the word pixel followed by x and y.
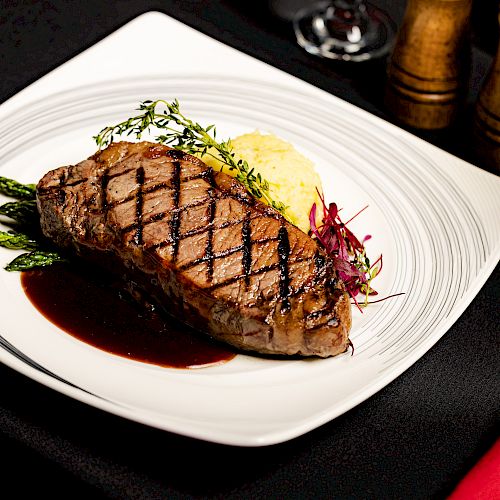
pixel 75 183
pixel 139 200
pixel 63 178
pixel 319 263
pixel 316 314
pixel 154 188
pixel 48 189
pixel 246 259
pixel 256 272
pixel 280 296
pixel 192 232
pixel 154 218
pixel 85 179
pixel 62 193
pixel 104 193
pixel 159 216
pixel 175 221
pixel 319 269
pixel 176 154
pixel 209 252
pixel 226 253
pixel 283 255
pixel 200 230
pixel 119 174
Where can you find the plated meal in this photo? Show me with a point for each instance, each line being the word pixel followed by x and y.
pixel 272 398
pixel 259 263
pixel 432 216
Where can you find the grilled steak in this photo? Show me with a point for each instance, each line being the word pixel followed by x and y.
pixel 207 251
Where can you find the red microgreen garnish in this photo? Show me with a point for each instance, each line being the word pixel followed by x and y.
pixel 349 254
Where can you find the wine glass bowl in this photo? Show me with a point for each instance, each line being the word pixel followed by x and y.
pixel 347 30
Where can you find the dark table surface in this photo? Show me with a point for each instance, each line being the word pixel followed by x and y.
pixel 416 438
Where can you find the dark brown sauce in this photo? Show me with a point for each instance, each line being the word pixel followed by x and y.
pixel 95 309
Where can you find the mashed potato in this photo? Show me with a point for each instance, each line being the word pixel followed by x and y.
pixel 291 176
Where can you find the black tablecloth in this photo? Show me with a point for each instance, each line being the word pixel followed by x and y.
pixel 414 439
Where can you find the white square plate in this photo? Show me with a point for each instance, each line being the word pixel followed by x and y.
pixel 433 216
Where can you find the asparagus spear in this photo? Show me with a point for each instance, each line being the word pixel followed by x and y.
pixel 14 189
pixel 24 213
pixel 30 260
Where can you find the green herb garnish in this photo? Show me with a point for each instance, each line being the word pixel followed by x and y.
pixel 184 134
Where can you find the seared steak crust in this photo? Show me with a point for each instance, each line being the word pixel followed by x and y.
pixel 210 253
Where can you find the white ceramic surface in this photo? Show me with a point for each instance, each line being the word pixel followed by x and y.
pixel 434 218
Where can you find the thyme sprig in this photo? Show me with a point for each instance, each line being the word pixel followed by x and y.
pixel 26 235
pixel 184 134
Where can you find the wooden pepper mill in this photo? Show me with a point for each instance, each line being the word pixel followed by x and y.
pixel 487 117
pixel 429 69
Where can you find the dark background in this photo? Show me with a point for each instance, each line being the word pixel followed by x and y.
pixel 37 36
pixel 414 439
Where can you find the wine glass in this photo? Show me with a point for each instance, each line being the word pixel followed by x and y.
pixel 348 30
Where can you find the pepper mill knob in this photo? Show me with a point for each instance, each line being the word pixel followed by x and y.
pixel 429 68
pixel 487 116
